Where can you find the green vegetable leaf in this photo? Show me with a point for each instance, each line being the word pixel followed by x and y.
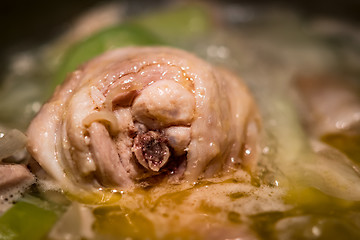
pixel 179 24
pixel 171 27
pixel 26 221
pixel 107 39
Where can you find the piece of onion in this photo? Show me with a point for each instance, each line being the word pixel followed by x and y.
pixel 11 141
pixel 333 173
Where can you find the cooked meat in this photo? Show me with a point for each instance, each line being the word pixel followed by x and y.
pixel 164 103
pixel 109 169
pixel 14 176
pixel 178 138
pixel 134 114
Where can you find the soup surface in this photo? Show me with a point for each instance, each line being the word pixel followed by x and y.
pixel 303 74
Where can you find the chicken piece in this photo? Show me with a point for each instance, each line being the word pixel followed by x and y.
pixel 14 176
pixel 109 169
pixel 164 103
pixel 15 179
pixel 179 138
pixel 134 115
